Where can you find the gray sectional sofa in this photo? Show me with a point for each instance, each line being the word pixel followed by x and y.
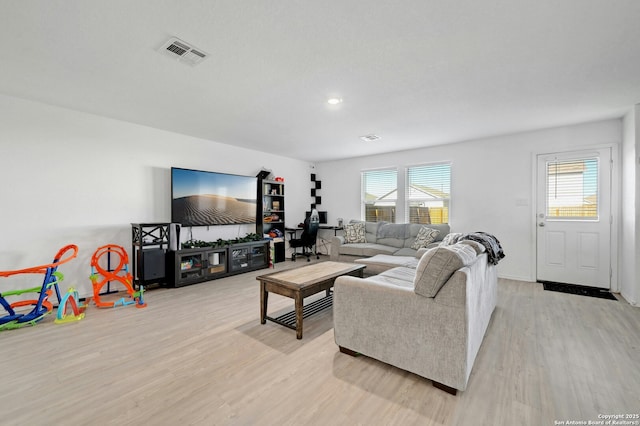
pixel 428 317
pixel 383 238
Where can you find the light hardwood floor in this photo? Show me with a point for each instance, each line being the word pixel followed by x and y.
pixel 199 355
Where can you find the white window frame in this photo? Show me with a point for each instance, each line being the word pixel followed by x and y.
pixel 571 188
pixel 434 198
pixel 364 201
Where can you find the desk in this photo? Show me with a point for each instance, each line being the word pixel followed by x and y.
pixel 292 231
pixel 335 228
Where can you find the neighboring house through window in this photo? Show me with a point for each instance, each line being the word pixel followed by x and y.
pixel 379 195
pixel 428 193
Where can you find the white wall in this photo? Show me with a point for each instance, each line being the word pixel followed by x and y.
pixel 492 188
pixel 630 240
pixel 75 178
pixel 69 177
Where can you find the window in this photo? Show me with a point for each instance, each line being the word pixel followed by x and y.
pixel 427 193
pixel 379 195
pixel 572 189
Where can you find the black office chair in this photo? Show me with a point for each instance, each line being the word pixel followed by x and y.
pixel 308 238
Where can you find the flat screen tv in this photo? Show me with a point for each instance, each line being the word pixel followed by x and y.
pixel 200 198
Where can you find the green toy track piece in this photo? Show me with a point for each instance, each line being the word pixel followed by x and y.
pixel 13 325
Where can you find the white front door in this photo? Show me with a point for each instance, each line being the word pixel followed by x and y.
pixel 574 218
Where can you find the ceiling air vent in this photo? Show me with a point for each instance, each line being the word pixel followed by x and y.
pixel 183 52
pixel 370 138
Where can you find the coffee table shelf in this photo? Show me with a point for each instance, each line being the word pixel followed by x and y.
pixel 289 319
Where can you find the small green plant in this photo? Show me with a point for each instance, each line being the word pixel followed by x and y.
pixel 194 244
pixel 220 242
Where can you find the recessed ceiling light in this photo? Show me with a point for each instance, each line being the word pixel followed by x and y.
pixel 334 101
pixel 370 138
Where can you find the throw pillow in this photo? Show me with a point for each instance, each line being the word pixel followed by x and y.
pixel 425 237
pixel 451 238
pixel 354 233
pixel 437 265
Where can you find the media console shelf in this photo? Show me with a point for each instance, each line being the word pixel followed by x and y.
pixel 196 265
pixel 250 256
pixel 149 246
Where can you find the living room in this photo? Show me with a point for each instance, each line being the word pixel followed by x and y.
pixel 77 173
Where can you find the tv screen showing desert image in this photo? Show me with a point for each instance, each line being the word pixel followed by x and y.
pixel 200 198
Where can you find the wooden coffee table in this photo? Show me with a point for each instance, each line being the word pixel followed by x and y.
pixel 299 283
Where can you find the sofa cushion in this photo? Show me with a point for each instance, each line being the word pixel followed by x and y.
pixel 374 249
pixel 393 230
pixel 400 273
pixel 388 261
pixel 354 233
pixel 393 234
pixel 353 249
pixel 425 237
pixel 438 264
pixel 391 242
pixel 365 249
pixel 396 279
pixel 371 230
pixel 406 252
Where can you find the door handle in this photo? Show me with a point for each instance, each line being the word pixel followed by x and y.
pixel 541 224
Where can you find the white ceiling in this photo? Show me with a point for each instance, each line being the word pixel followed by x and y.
pixel 415 72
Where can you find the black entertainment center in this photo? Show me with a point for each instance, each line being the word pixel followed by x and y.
pixel 191 266
pixel 202 198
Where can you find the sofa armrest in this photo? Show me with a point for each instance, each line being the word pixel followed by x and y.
pixel 397 326
pixel 336 242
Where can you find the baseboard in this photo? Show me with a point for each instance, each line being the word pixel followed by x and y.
pixel 629 300
pixel 517 278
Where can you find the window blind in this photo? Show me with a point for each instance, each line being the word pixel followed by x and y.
pixel 379 195
pixel 428 193
pixel 572 189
